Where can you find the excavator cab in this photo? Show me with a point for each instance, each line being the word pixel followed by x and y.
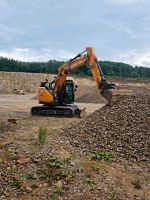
pixel 66 95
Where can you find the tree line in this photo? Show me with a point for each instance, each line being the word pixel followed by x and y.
pixel 109 68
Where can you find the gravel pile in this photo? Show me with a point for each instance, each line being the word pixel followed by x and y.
pixel 87 94
pixel 122 129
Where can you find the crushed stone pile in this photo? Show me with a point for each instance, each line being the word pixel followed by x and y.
pixel 89 94
pixel 122 129
pixel 91 98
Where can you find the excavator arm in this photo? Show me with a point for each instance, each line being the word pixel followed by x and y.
pixel 87 57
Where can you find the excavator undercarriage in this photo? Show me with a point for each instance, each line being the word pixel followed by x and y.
pixel 63 110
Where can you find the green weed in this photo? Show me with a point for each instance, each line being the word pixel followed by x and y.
pixel 59 190
pixel 29 176
pixel 107 156
pixel 44 176
pixel 71 157
pixel 65 174
pixel 56 162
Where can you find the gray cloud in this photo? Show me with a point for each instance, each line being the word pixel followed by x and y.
pixel 118 30
pixel 41 54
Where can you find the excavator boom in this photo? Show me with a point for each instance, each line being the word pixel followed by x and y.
pixel 87 57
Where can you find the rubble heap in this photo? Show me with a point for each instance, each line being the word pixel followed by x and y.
pixel 122 129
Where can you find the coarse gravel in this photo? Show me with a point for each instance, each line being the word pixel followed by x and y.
pixel 122 129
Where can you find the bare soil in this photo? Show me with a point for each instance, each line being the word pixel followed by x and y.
pixel 25 168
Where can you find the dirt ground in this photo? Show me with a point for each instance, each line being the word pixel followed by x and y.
pixel 23 103
pixel 21 135
pixel 24 162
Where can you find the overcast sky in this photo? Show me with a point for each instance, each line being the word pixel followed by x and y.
pixel 40 30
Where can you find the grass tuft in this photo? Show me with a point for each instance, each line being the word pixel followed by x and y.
pixel 42 134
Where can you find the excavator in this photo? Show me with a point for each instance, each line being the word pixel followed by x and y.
pixel 59 101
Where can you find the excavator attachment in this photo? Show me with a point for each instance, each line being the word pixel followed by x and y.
pixel 107 94
pixel 111 95
pixel 107 91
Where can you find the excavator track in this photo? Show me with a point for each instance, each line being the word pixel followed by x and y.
pixel 64 110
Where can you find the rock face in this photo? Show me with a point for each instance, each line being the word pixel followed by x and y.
pixel 28 82
pixel 123 129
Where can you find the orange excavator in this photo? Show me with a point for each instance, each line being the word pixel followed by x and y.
pixel 59 99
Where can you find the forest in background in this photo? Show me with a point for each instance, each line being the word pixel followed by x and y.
pixel 109 68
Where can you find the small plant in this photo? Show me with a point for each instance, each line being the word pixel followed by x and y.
pixel 29 176
pixel 71 157
pixel 42 134
pixel 44 176
pixel 65 174
pixel 59 190
pixel 107 156
pixel 56 162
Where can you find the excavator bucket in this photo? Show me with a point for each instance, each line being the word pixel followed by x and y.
pixel 113 96
pixel 107 94
pixel 107 91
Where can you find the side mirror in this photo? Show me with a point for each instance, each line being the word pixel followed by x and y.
pixel 76 86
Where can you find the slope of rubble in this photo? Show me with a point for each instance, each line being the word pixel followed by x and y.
pixel 62 168
pixel 122 129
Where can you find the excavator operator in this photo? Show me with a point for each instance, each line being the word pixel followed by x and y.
pixel 52 83
pixel 47 86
